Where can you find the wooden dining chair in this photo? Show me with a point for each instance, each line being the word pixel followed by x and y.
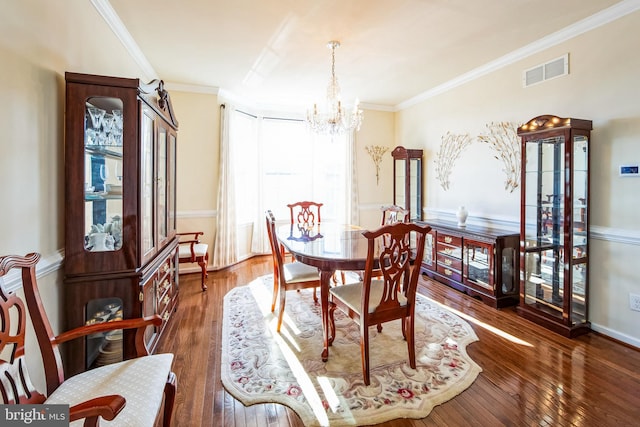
pixel 305 212
pixel 392 296
pixel 308 213
pixel 136 392
pixel 394 213
pixel 287 276
pixel 191 250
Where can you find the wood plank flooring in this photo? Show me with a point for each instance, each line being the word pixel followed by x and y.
pixel 531 376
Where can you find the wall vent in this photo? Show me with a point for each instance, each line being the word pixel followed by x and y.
pixel 549 70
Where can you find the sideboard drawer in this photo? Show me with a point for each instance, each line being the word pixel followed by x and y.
pixel 449 273
pixel 449 262
pixel 450 240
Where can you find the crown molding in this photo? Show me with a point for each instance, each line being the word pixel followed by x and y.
pixel 112 19
pixel 592 22
pixel 183 87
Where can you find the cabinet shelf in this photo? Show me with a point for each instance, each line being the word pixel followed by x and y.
pixel 101 196
pixel 104 151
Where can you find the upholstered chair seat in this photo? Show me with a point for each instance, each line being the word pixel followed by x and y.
pixel 191 250
pixel 140 381
pixel 298 272
pixel 351 295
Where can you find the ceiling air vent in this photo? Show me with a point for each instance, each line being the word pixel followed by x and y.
pixel 547 71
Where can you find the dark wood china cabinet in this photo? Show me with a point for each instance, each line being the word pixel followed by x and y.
pixel 120 219
pixel 554 224
pixel 407 180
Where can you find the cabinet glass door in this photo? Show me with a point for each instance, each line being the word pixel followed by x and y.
pixel 544 224
pixel 400 183
pixel 103 348
pixel 147 185
pixel 161 183
pixel 171 185
pixel 478 259
pixel 429 255
pixel 415 181
pixel 579 204
pixel 103 166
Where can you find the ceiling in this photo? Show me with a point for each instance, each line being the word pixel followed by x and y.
pixel 274 52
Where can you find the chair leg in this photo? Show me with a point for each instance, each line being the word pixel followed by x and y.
pixel 203 267
pixel 332 322
pixel 275 290
pixel 169 399
pixel 410 341
pixel 283 301
pixel 364 349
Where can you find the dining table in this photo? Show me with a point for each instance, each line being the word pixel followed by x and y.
pixel 328 247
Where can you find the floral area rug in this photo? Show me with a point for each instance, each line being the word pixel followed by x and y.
pixel 261 366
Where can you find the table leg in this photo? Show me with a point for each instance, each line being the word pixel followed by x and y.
pixel 325 282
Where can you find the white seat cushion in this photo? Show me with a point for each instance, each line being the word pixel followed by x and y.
pixel 140 381
pixel 352 295
pixel 298 272
pixel 200 249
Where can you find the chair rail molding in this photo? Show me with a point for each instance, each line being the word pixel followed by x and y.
pixel 47 265
pixel 197 214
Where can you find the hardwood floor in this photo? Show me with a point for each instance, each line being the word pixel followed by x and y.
pixel 531 376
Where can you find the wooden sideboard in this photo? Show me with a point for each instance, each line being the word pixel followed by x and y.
pixel 479 261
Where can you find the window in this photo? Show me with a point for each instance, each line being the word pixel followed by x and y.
pixel 278 161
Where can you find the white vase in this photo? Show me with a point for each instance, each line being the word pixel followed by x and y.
pixel 462 215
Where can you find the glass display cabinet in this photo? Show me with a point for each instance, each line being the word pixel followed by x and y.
pixel 120 242
pixel 554 226
pixel 407 181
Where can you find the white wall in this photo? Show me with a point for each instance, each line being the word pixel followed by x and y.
pixel 602 87
pixel 39 41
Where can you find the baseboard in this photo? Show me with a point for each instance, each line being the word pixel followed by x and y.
pixel 623 338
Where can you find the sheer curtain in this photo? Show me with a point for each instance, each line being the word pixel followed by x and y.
pixel 352 177
pixel 225 246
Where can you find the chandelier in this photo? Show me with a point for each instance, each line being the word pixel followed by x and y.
pixel 335 120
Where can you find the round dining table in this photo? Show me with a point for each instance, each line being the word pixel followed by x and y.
pixel 328 247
